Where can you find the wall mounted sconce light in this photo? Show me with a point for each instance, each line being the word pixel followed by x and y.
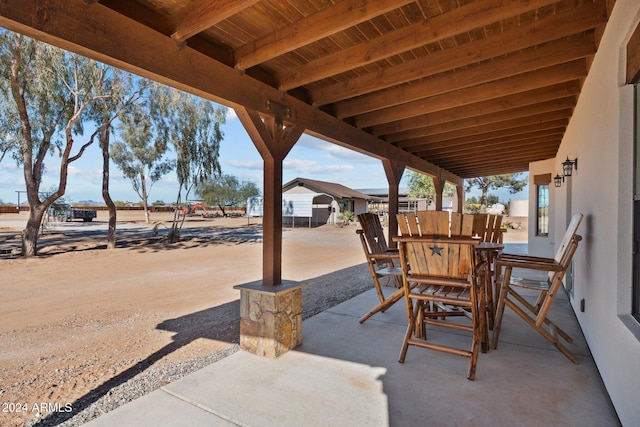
pixel 559 179
pixel 567 166
pixel 567 171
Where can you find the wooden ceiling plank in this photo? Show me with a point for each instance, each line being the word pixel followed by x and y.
pixel 546 148
pixel 200 15
pixel 511 85
pixel 461 147
pixel 99 35
pixel 528 60
pixel 487 133
pixel 324 23
pixel 530 99
pixel 552 110
pixel 565 23
pixel 491 158
pixel 462 19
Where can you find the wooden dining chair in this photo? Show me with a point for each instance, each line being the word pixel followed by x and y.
pixel 383 262
pixel 488 228
pixel 536 315
pixel 436 271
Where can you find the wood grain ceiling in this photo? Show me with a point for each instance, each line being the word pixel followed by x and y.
pixel 472 87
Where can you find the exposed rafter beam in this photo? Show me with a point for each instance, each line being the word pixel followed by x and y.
pixel 324 23
pixel 522 62
pixel 477 109
pixel 98 35
pixel 528 35
pixel 464 148
pixel 521 83
pixel 501 120
pixel 513 127
pixel 200 15
pixel 460 20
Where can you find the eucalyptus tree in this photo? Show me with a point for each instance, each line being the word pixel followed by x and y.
pixel 195 133
pixel 45 94
pixel 141 152
pixel 126 91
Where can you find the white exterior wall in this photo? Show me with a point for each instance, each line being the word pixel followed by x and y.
pixel 542 245
pixel 600 135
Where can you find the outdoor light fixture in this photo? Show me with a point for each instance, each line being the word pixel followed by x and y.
pixel 567 166
pixel 558 180
pixel 567 170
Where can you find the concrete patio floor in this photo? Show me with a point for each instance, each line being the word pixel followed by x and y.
pixel 347 374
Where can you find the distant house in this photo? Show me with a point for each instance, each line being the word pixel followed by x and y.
pixel 310 202
pixel 405 203
pixel 319 201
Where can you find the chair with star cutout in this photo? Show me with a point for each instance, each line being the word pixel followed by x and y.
pixel 443 271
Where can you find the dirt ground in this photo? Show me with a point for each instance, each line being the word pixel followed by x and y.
pixel 77 316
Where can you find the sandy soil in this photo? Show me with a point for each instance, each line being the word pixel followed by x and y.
pixel 78 316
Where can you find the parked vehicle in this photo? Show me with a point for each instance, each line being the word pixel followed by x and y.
pixel 85 215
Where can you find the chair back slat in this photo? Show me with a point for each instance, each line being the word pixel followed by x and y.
pixel 373 232
pixel 433 223
pixel 494 232
pixel 572 228
pixel 440 257
pixel 480 225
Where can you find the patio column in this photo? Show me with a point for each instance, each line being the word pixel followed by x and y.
pixel 270 310
pixel 438 183
pixel 394 171
pixel 460 196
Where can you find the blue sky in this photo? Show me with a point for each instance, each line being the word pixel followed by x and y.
pixel 310 158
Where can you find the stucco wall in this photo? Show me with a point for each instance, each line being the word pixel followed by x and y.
pixel 600 135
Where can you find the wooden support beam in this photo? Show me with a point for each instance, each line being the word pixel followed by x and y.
pixel 454 138
pixel 550 110
pixel 523 62
pixel 273 142
pixel 474 110
pixel 438 184
pixel 394 171
pixel 460 20
pixel 200 15
pixel 155 56
pixel 328 21
pixel 563 73
pixel 574 21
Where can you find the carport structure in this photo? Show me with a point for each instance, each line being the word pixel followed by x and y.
pixel 450 88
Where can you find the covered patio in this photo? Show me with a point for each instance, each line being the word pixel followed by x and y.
pixel 452 89
pixel 347 374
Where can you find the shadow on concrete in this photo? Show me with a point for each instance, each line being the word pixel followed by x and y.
pixel 222 323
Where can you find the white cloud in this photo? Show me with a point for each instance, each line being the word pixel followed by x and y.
pixel 306 167
pixel 231 114
pixel 246 164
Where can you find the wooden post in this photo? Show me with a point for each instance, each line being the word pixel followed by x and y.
pixel 394 171
pixel 273 142
pixel 438 184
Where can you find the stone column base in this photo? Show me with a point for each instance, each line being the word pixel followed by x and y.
pixel 270 317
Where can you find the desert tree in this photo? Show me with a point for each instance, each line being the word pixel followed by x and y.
pixel 228 190
pixel 141 151
pixel 514 182
pixel 46 94
pixel 195 133
pixel 421 186
pixel 126 91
